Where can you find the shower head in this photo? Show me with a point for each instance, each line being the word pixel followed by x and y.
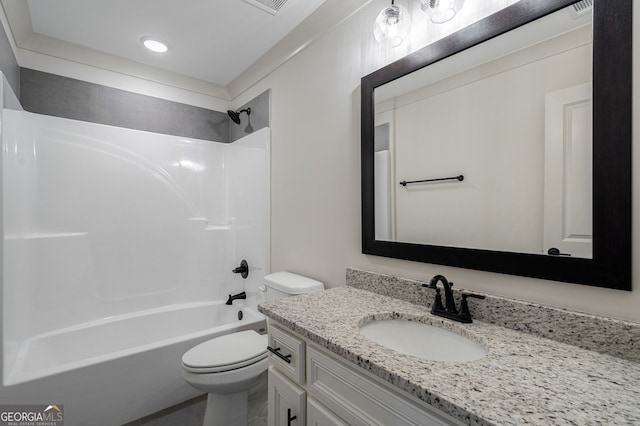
pixel 235 115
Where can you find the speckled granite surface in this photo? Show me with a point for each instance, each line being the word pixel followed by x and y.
pixel 605 335
pixel 524 379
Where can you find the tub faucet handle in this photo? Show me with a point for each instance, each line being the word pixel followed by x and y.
pixel 243 269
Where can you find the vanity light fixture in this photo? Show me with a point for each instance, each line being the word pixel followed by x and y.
pixel 440 11
pixel 392 25
pixel 154 44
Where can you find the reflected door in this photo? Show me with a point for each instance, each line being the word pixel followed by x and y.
pixel 568 191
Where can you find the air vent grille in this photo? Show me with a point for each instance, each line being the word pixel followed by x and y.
pixel 583 5
pixel 581 8
pixel 271 6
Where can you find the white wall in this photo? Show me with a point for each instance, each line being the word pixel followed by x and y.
pixel 315 200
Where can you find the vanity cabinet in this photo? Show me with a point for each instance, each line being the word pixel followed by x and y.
pixel 318 388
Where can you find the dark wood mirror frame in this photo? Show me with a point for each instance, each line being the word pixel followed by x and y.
pixel 610 266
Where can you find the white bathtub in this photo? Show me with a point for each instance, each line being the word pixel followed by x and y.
pixel 119 369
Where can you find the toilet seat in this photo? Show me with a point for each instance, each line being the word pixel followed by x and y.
pixel 225 353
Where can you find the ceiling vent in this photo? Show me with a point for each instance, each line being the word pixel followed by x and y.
pixel 581 8
pixel 271 6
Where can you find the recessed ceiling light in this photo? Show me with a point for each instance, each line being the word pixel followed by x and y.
pixel 154 45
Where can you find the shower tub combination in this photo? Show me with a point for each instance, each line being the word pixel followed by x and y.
pixel 119 369
pixel 109 339
pixel 118 251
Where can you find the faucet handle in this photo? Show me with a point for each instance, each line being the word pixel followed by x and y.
pixel 432 285
pixel 437 302
pixel 243 269
pixel 475 296
pixel 464 305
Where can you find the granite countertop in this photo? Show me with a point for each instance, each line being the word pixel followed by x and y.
pixel 524 379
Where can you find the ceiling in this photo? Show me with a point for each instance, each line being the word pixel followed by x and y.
pixel 213 41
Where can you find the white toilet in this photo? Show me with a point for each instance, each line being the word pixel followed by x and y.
pixel 230 367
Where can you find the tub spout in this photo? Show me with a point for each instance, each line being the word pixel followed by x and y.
pixel 231 298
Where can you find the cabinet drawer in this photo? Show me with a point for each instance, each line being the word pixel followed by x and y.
pixel 289 356
pixel 359 400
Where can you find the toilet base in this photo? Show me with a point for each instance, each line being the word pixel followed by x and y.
pixel 243 408
pixel 226 409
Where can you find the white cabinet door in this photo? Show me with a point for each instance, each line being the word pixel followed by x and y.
pixel 286 401
pixel 317 415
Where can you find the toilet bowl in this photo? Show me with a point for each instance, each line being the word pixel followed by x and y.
pixel 227 368
pixel 233 367
pixel 226 364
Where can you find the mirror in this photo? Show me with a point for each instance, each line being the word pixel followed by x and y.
pixel 521 127
pixel 493 119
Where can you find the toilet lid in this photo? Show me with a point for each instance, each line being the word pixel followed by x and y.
pixel 227 352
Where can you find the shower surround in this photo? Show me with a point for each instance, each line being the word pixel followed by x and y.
pixel 118 246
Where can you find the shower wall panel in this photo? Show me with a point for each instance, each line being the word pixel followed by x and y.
pixel 103 221
pixel 247 187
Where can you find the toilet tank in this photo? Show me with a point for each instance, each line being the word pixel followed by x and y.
pixel 284 284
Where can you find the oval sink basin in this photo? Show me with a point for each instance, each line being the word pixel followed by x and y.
pixel 423 340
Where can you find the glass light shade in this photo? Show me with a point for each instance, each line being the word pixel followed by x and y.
pixel 392 26
pixel 440 11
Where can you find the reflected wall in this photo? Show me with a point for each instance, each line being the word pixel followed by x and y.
pixel 491 119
